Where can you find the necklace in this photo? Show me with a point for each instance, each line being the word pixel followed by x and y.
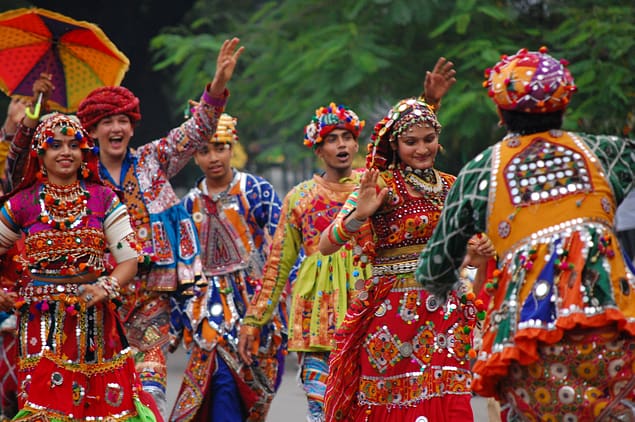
pixel 63 207
pixel 423 180
pixel 220 196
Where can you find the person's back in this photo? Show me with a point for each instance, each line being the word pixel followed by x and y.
pixel 559 333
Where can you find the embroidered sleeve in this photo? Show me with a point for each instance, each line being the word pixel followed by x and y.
pixel 18 155
pixel 464 214
pixel 173 151
pixel 264 205
pixel 285 250
pixel 339 234
pixel 617 156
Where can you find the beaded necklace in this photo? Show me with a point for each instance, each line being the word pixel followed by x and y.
pixel 63 207
pixel 422 180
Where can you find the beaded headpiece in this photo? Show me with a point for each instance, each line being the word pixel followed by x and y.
pixel 530 82
pixel 108 101
pixel 226 132
pixel 44 136
pixel 67 125
pixel 402 116
pixel 329 118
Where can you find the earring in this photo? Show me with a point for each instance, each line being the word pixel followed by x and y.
pixel 84 171
pixel 41 174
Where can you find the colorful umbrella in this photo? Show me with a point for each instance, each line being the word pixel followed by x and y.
pixel 78 55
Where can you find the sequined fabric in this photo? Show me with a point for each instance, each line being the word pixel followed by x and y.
pixel 48 248
pixel 402 353
pixel 547 201
pixel 324 284
pixel 234 229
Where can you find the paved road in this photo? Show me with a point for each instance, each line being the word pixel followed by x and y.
pixel 289 405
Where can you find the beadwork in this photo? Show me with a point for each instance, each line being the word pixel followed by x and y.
pixel 63 207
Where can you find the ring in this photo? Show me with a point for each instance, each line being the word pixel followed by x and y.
pixel 89 297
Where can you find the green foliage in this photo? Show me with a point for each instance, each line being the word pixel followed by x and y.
pixel 302 54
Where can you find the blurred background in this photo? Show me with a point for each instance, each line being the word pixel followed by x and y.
pixel 367 54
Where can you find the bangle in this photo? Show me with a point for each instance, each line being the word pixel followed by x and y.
pixel 353 224
pixel 4 136
pixel 215 101
pixel 110 284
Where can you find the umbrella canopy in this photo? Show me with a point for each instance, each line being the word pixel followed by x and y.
pixel 78 55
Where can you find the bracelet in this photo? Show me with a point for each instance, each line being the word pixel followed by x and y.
pixel 339 234
pixel 110 284
pixel 353 224
pixel 4 136
pixel 215 101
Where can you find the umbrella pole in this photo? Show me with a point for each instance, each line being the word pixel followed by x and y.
pixel 35 114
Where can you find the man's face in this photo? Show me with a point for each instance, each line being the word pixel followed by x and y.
pixel 214 161
pixel 338 149
pixel 113 134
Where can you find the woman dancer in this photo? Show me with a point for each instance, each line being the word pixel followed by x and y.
pixel 402 353
pixel 74 361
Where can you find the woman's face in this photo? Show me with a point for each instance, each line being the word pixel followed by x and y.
pixel 62 159
pixel 418 147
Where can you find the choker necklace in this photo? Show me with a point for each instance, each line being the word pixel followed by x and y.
pixel 422 180
pixel 63 207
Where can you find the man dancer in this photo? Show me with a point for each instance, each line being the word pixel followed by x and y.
pixel 164 229
pixel 236 215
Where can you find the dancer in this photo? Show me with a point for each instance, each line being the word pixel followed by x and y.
pixel 164 229
pixel 323 285
pixel 236 214
pixel 402 353
pixel 558 341
pixel 74 360
pixel 17 130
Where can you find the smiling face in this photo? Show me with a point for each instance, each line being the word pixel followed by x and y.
pixel 62 159
pixel 337 151
pixel 417 147
pixel 113 134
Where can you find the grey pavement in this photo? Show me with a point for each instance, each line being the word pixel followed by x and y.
pixel 289 405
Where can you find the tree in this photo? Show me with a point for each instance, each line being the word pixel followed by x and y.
pixel 369 53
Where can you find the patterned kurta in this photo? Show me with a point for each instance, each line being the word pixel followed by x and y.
pixel 402 353
pixel 235 230
pixel 324 284
pixel 547 201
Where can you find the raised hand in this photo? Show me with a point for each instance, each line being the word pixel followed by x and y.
pixel 370 197
pixel 43 85
pixel 15 113
pixel 42 89
pixel 225 65
pixel 438 82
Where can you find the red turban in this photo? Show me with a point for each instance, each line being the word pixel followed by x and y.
pixel 108 101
